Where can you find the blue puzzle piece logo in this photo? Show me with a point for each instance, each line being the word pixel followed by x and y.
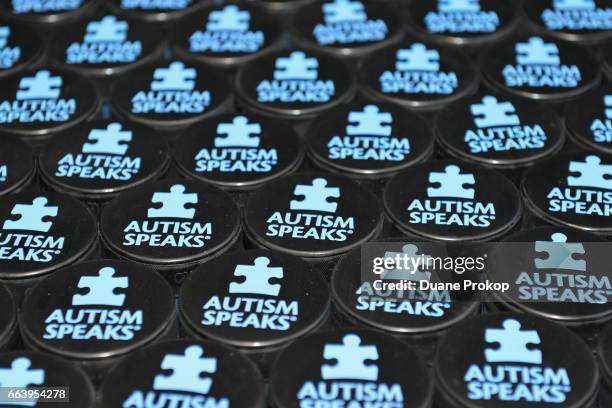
pixel 257 278
pixel 187 370
pixel 231 18
pixel 174 78
pixel 417 58
pixel 297 66
pixel 109 29
pixel 351 357
pixel 568 5
pixel 537 52
pixel 21 375
pixel 341 11
pixel 173 203
pixel 592 173
pixel 112 140
pixel 459 6
pixel 560 254
pixel 512 344
pixel 491 113
pixel 369 122
pixel 315 196
pixel 608 104
pixel 41 86
pixel 451 183
pixel 102 289
pixel 239 133
pixel 32 216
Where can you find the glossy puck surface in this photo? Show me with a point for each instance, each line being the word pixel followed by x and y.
pixel 170 94
pixel 36 102
pixel 554 272
pixel 227 35
pixel 170 222
pixel 369 139
pixel 254 299
pixel 105 45
pixel 463 23
pixel 74 390
pixel 357 29
pixel 573 190
pixel 294 83
pixel 540 68
pixel 238 151
pixel 155 10
pixel 312 215
pixel 46 12
pixel 452 201
pixel 589 119
pixel 500 131
pixel 100 159
pixel 418 75
pixel 339 366
pixel 514 360
pixel 42 232
pixel 188 372
pixel 97 309
pixel 580 21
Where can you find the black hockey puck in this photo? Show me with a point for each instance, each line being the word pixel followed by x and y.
pixel 294 83
pixel 99 159
pixel 57 381
pixel 47 11
pixel 554 272
pixel 170 224
pixel 35 103
pixel 452 201
pixel 155 10
pixel 540 68
pixel 97 310
pixel 589 119
pixel 226 35
pixel 350 367
pixel 369 140
pixel 170 95
pixel 572 189
pixel 584 21
pixel 418 75
pixel 186 372
pixel 347 28
pixel 499 131
pixel 397 309
pixel 42 232
pixel 312 215
pixel 463 23
pixel 514 360
pixel 105 45
pixel 254 299
pixel 238 152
